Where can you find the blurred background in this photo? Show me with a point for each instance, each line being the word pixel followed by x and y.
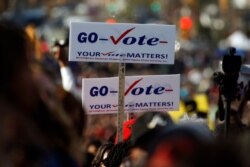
pixel 207 20
pixel 205 29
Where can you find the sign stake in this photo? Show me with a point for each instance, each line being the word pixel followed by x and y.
pixel 120 113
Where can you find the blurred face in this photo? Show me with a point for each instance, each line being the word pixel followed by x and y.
pixel 138 156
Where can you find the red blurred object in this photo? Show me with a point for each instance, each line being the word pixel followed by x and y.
pixel 44 47
pixel 111 20
pixel 127 125
pixel 186 23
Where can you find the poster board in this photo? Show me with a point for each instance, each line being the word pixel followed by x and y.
pixel 142 94
pixel 122 42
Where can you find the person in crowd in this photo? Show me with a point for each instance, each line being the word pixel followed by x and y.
pixel 60 53
pixel 175 146
pixel 65 105
pixel 36 130
pixel 239 121
pixel 146 128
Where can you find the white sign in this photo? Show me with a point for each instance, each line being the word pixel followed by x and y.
pixel 128 43
pixel 142 94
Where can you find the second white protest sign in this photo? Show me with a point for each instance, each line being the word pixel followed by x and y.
pixel 142 94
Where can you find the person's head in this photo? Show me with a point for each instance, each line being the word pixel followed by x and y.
pixel 60 52
pixel 174 146
pixel 30 93
pixel 147 127
pixel 15 75
pixel 14 47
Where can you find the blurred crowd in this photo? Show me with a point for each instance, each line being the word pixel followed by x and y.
pixel 43 122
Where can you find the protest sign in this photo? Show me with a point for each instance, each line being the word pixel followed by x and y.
pixel 142 94
pixel 127 43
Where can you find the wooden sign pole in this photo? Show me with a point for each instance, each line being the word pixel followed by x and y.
pixel 120 114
